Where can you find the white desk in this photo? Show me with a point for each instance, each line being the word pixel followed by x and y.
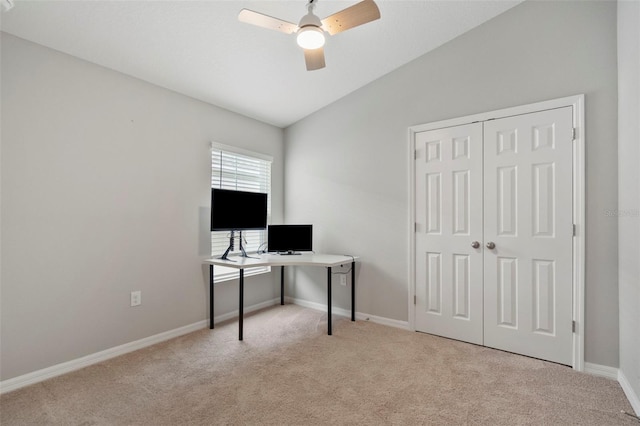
pixel 326 260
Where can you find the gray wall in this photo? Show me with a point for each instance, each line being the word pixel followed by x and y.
pixel 346 166
pixel 629 189
pixel 105 190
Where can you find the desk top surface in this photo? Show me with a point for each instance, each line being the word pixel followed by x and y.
pixel 317 259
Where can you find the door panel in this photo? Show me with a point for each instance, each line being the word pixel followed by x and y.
pixel 508 182
pixel 528 215
pixel 448 183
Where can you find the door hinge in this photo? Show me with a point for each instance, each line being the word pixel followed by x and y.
pixel 415 154
pixel 573 134
pixel 414 299
pixel 573 326
pixel 573 229
pixel 415 226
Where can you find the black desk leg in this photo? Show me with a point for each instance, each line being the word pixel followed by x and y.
pixel 282 285
pixel 353 291
pixel 240 304
pixel 329 299
pixel 211 296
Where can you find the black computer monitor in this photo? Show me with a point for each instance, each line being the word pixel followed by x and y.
pixel 238 210
pixel 289 239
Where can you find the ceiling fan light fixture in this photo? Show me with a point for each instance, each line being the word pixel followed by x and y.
pixel 310 32
pixel 310 37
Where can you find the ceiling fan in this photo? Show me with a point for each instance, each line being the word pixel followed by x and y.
pixel 310 31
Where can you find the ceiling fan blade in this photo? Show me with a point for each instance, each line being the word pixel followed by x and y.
pixel 265 21
pixel 314 58
pixel 358 14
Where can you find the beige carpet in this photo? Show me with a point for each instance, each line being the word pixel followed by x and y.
pixel 287 371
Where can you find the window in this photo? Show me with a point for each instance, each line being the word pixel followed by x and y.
pixel 235 168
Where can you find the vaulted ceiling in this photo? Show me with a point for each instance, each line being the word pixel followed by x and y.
pixel 200 49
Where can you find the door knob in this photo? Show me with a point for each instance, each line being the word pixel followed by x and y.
pixel 491 245
pixel 475 244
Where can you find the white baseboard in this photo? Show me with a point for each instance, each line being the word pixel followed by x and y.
pixel 618 375
pixel 601 370
pixel 633 398
pixel 347 313
pixel 404 325
pixel 76 364
pixel 85 361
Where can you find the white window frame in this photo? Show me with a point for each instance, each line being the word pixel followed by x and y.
pixel 225 174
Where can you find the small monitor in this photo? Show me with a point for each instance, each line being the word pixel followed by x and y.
pixel 289 239
pixel 238 210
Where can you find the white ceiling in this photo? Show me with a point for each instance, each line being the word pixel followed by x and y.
pixel 199 48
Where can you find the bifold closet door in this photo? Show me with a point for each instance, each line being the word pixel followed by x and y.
pixel 528 223
pixel 448 236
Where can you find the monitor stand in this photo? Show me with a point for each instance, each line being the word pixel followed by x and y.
pixel 288 253
pixel 243 253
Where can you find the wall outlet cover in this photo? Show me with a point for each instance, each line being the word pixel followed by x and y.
pixel 136 298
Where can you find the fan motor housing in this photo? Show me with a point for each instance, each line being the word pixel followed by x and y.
pixel 310 20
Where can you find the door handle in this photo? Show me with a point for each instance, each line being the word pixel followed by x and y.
pixel 491 245
pixel 475 244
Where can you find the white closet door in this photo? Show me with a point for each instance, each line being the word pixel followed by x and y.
pixel 528 216
pixel 448 182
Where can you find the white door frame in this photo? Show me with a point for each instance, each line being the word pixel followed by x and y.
pixel 577 102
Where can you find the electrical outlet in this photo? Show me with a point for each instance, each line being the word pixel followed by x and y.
pixel 136 298
pixel 343 279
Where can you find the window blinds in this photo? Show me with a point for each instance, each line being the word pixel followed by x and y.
pixel 236 169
